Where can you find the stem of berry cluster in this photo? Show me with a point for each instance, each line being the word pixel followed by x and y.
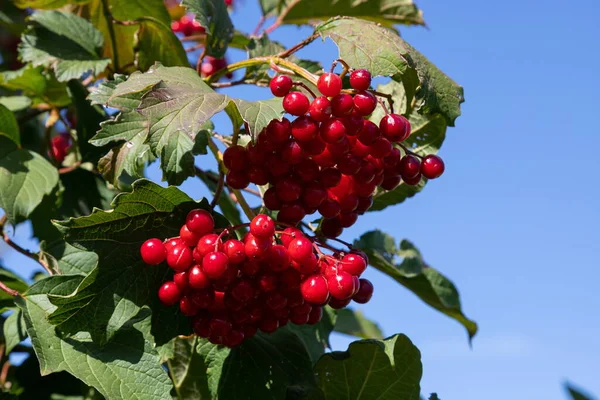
pixel 4 236
pixel 261 61
pixel 111 33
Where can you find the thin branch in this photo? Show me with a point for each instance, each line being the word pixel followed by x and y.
pixel 66 170
pixel 261 22
pixel 282 16
pixel 243 204
pixel 218 190
pixel 299 46
pixel 111 32
pixel 8 290
pixel 218 85
pixel 20 249
pixel 199 62
pixel 195 47
pixel 303 85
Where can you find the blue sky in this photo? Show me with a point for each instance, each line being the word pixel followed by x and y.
pixel 513 221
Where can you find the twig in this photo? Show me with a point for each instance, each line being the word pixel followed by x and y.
pixel 408 151
pixel 66 170
pixel 302 85
pixel 261 22
pixel 111 32
pixel 218 85
pixel 199 62
pixel 195 47
pixel 282 16
pixel 387 96
pixel 299 46
pixel 218 190
pixel 18 248
pixel 8 290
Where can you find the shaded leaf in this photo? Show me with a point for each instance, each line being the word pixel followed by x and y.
pixel 14 330
pixel 40 86
pixel 576 394
pixel 354 323
pixel 413 273
pixel 372 369
pixel 157 42
pixel 8 125
pixel 187 368
pixel 214 17
pixel 316 337
pixel 15 103
pixel 127 158
pixel 14 282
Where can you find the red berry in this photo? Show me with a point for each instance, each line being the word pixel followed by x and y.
pixel 333 130
pixel 353 124
pixel 250 267
pixel 215 264
pixel 237 179
pixel 299 319
pixel 243 290
pixel 200 324
pixel 258 175
pixel 313 195
pixel 187 307
pixel 432 166
pixel 59 146
pixel 409 166
pixel 189 238
pixel 153 251
pixel 278 258
pixel 308 266
pixel 291 213
pixel 197 278
pixel 338 304
pixel 364 103
pixel 218 302
pixel 256 155
pixel 353 264
pixel 288 190
pixel 220 326
pixel 170 243
pixel 235 158
pixel 278 132
pixel 381 147
pixel 341 285
pixel 341 105
pixel 360 79
pixel 300 249
pixel 235 337
pixel 292 153
pixel 314 289
pixel 364 203
pixel 181 280
pixel 235 251
pixel 290 281
pixel 392 160
pixel 413 181
pixel 330 208
pixel 390 182
pixel 331 228
pixel 296 103
pixel 329 84
pixel 268 325
pixel 248 330
pixel 315 315
pixel 365 292
pixel 304 129
pixel 180 258
pixel 275 301
pixel 346 220
pixel 290 234
pixel 349 164
pixel 169 294
pixel 255 247
pixel 262 226
pixel 349 203
pixel 281 85
pixel 330 177
pixel 307 170
pixel 267 282
pixel 394 127
pixel 271 199
pixel 320 109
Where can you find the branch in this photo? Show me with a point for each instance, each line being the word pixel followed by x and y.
pixel 8 290
pixel 111 32
pixel 19 249
pixel 282 16
pixel 293 49
pixel 66 170
pixel 218 190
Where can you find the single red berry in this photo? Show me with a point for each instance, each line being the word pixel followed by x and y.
pixel 314 289
pixel 235 158
pixel 381 147
pixel 300 249
pixel 181 280
pixel 307 170
pixel 262 226
pixel 220 325
pixel 278 132
pixel 348 203
pixel 392 160
pixel 304 129
pixel 330 177
pixel 290 234
pixel 333 130
pixel 250 267
pixel 267 282
pixel 215 264
pixel 275 300
pixel 320 109
pixel 153 251
pixel 271 199
pixel 360 79
pixel 170 243
pixel 315 315
pixel 180 258
pixel 288 190
pixel 200 222
pixel 359 149
pixel 353 264
pixel 369 133
pixel 208 243
pixel 314 194
pixel 258 175
pixel 197 279
pixel 299 319
pixel 308 266
pixel 349 164
pixel 347 219
pixel 394 127
pixel 296 103
pixel 256 155
pixel 409 166
pixel 353 124
pixel 187 307
pixel 364 103
pixel 281 85
pixel 291 213
pixel 365 292
pixel 338 304
pixel 189 238
pixel 328 267
pixel 292 152
pixel 413 181
pixel 59 146
pixel 235 337
pixel 364 203
pixel 234 250
pixel 325 158
pixel 278 258
pixel 169 294
pixel 390 182
pixel 341 105
pixel 243 290
pixel 218 302
pixel 329 84
pixel 277 167
pixel 331 228
pixel 432 166
pixel 255 247
pixel 341 285
pixel 329 208
pixel 237 179
pixel 268 325
pixel 314 147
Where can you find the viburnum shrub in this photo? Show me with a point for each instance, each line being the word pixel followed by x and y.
pixel 144 292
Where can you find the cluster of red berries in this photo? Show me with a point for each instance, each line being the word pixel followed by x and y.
pixel 232 288
pixel 330 159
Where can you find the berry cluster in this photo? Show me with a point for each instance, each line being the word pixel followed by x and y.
pixel 331 158
pixel 232 288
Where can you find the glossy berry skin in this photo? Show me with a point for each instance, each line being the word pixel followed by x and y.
pixel 288 190
pixel 320 109
pixel 180 258
pixel 390 182
pixel 381 147
pixel 169 294
pixel 315 315
pixel 314 289
pixel 365 292
pixel 181 280
pixel 296 103
pixel 394 127
pixel 290 234
pixel 331 228
pixel 255 247
pixel 409 166
pixel 364 103
pixel 329 84
pixel 281 85
pixel 200 222
pixel 300 249
pixel 342 105
pixel 208 243
pixel 153 251
pixel 333 130
pixel 341 285
pixel 188 237
pixel 262 226
pixel 235 158
pixel 235 251
pixel 278 132
pixel 432 166
pixel 197 279
pixel 304 129
pixel 237 179
pixel 278 258
pixel 360 79
pixel 215 264
pixel 338 304
pixel 187 307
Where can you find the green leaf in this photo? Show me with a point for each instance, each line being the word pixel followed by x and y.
pixel 25 178
pixel 64 41
pixel 69 259
pixel 384 12
pixel 121 284
pixel 214 17
pixel 372 369
pixel 187 368
pixel 126 368
pixel 575 393
pixel 127 158
pixel 354 323
pixel 157 42
pixel 8 125
pixel 43 4
pixel 12 281
pixel 265 367
pixel 40 86
pixel 84 191
pixel 15 103
pixel 258 114
pixel 413 273
pixel 14 330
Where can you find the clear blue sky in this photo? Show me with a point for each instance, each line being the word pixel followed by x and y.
pixel 513 221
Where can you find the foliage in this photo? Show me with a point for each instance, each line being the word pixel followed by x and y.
pixel 112 81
